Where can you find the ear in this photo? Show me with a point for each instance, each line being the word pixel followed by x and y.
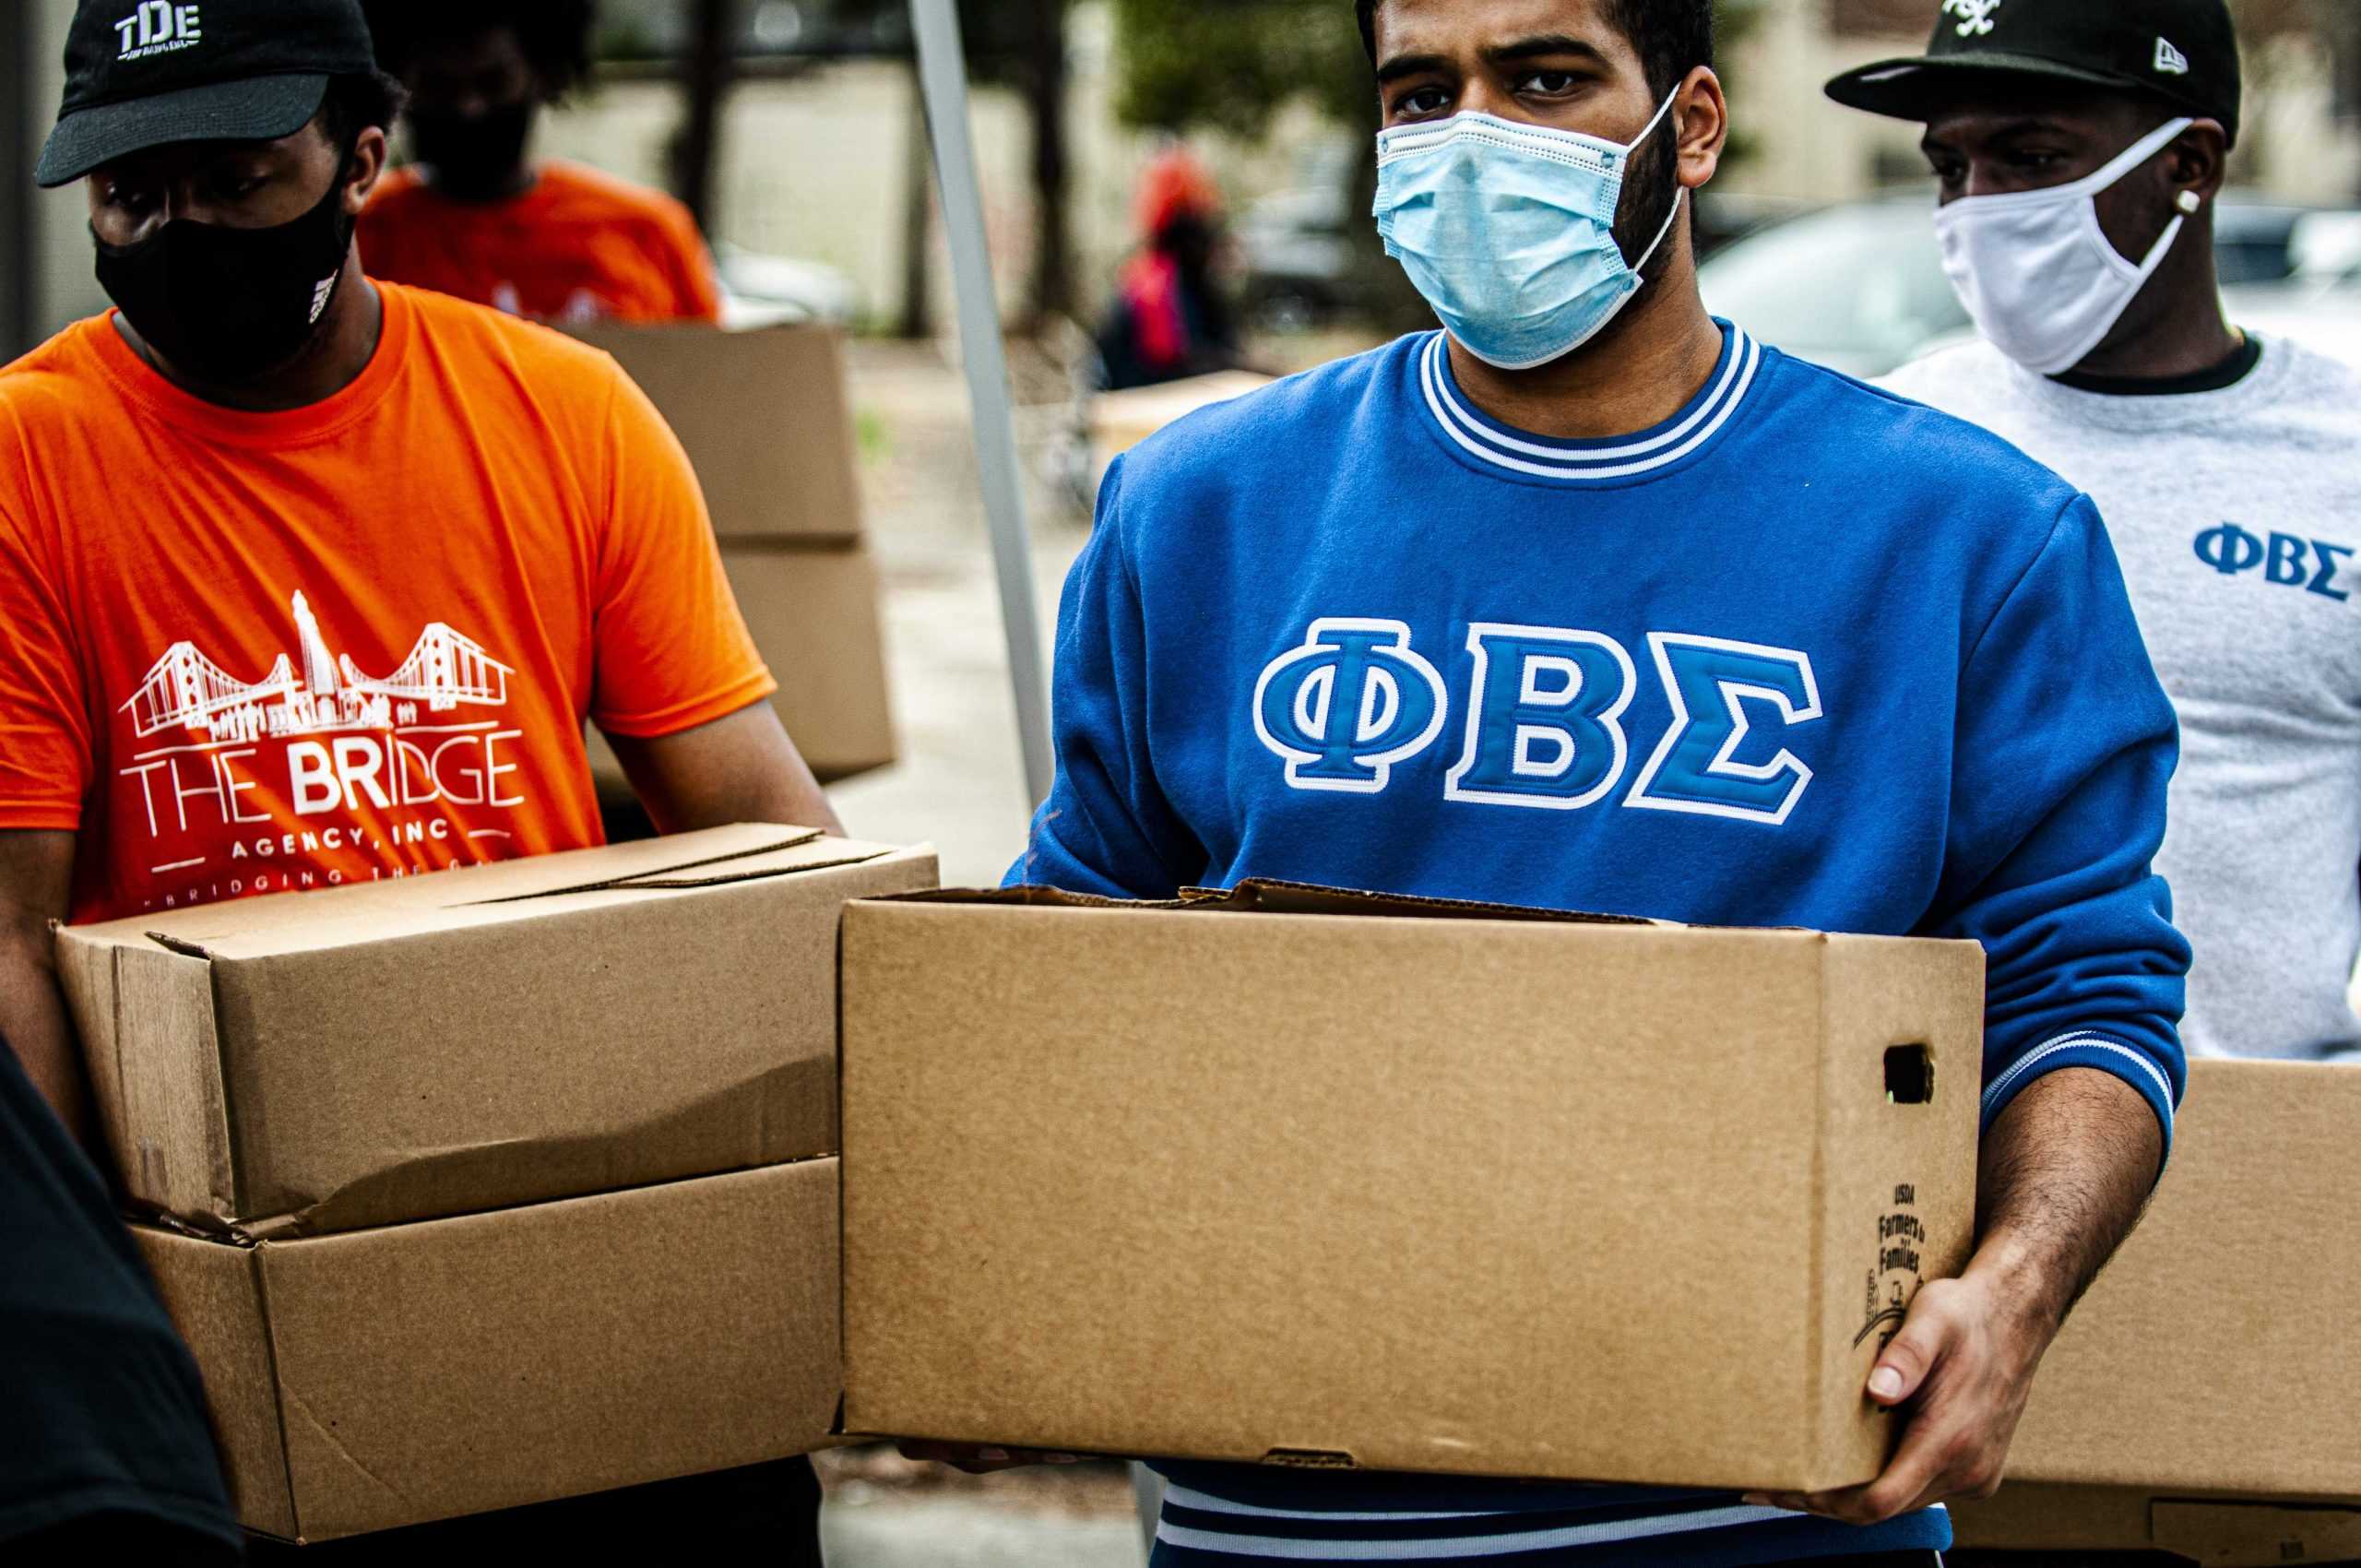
pixel 1701 125
pixel 364 169
pixel 2198 162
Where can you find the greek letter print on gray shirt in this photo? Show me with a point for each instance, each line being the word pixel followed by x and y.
pixel 2236 515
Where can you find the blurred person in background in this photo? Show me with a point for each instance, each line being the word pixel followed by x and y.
pixel 475 217
pixel 309 579
pixel 1173 317
pixel 1590 601
pixel 2079 149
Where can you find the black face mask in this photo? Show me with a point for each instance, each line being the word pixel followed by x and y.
pixel 475 157
pixel 225 305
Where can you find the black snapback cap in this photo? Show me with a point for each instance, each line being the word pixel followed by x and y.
pixel 147 72
pixel 2184 52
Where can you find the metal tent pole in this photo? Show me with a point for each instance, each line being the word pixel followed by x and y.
pixel 18 281
pixel 942 74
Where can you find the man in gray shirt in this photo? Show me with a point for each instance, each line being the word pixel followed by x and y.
pixel 2079 146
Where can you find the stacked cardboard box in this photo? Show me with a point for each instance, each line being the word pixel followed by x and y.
pixel 767 419
pixel 2203 1397
pixel 1304 1177
pixel 496 1185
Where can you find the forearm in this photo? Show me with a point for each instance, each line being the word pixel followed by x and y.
pixel 2065 1175
pixel 33 1021
pixel 741 768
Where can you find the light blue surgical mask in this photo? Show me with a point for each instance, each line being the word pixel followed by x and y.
pixel 1508 230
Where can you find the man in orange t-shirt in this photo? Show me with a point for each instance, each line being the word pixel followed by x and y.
pixel 307 580
pixel 474 217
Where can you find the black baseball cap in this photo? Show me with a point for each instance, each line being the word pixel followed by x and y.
pixel 147 72
pixel 2184 52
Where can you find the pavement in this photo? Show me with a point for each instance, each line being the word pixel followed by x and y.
pixel 960 784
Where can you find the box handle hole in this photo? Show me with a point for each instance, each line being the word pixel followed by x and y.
pixel 1909 1076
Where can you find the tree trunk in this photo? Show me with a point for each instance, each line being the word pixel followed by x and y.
pixel 1045 82
pixel 917 319
pixel 696 152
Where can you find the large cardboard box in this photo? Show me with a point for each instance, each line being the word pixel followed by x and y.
pixel 2215 1532
pixel 815 616
pixel 1305 1177
pixel 2205 1361
pixel 476 1039
pixel 1120 420
pixel 381 1378
pixel 766 417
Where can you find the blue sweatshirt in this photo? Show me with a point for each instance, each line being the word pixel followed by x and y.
pixel 1806 654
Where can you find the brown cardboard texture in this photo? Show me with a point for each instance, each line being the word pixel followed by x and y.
pixel 765 416
pixel 2199 1363
pixel 2215 1532
pixel 480 1037
pixel 815 616
pixel 1303 1176
pixel 381 1378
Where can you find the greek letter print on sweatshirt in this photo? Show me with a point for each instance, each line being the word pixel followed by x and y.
pixel 1806 654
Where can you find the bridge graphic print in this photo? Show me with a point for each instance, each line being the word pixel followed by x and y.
pixel 186 691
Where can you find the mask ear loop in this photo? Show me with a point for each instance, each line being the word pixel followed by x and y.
pixel 1638 270
pixel 1660 114
pixel 1679 192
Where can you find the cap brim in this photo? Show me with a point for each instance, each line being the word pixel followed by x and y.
pixel 1913 90
pixel 257 108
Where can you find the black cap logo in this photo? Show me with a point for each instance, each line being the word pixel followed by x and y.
pixel 1976 16
pixel 160 26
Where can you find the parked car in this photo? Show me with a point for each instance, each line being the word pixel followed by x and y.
pixel 768 291
pixel 1860 287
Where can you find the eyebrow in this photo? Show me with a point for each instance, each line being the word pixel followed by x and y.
pixel 1402 66
pixel 2029 125
pixel 1538 47
pixel 1541 46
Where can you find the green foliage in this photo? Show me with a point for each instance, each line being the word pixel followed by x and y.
pixel 1230 64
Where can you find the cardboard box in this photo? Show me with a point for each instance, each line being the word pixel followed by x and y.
pixel 815 616
pixel 382 1378
pixel 1306 1177
pixel 766 417
pixel 476 1039
pixel 2215 1532
pixel 1120 420
pixel 2205 1361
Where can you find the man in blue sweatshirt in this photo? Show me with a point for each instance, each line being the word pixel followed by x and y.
pixel 1594 602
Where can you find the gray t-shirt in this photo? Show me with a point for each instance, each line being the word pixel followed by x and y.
pixel 2236 515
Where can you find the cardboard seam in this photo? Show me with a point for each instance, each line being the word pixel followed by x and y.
pixel 123 1140
pixel 1816 1304
pixel 279 1393
pixel 218 1081
pixel 616 883
pixel 664 881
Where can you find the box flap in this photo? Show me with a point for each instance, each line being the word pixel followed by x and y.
pixel 496 893
pixel 500 1360
pixel 214 1294
pixel 145 1016
pixel 1268 896
pixel 1263 896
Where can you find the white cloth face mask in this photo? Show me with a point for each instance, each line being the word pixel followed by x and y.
pixel 2037 273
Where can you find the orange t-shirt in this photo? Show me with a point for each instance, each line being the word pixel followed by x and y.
pixel 580 245
pixel 249 653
